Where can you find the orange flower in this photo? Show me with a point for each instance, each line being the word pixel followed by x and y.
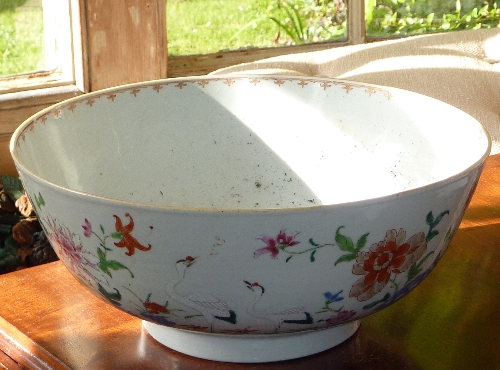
pixel 384 259
pixel 124 233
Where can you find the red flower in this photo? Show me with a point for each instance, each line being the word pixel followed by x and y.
pixel 155 308
pixel 274 245
pixel 393 255
pixel 125 234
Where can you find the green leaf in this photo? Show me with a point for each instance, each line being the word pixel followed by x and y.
pixel 39 200
pixel 440 217
pixel 101 254
pixel 429 219
pixel 312 258
pixel 13 187
pixel 362 242
pixel 346 258
pixel 117 235
pixel 311 241
pixel 112 296
pixel 432 234
pixel 413 271
pixel 105 266
pixel 288 258
pixel 344 243
pixel 373 304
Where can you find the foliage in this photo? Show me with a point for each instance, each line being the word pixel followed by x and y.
pixel 21 38
pixel 10 5
pixel 11 189
pixel 312 21
pixel 209 26
pixel 409 17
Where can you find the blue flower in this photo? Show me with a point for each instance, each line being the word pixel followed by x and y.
pixel 333 297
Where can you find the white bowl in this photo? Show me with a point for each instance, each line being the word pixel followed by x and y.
pixel 250 219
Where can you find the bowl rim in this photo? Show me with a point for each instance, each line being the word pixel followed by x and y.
pixel 16 136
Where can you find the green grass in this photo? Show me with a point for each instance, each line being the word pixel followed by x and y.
pixel 21 38
pixel 208 26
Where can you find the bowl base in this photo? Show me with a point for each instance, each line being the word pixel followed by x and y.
pixel 251 348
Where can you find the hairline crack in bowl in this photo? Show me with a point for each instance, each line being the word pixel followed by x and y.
pixel 250 218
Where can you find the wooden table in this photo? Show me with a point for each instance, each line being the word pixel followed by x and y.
pixel 451 321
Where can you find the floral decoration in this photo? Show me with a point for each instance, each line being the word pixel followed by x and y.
pixel 391 256
pixel 274 245
pixel 124 233
pixel 386 270
pixel 381 264
pixel 340 317
pixel 70 250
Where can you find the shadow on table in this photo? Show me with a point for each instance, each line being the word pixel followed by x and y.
pixel 361 351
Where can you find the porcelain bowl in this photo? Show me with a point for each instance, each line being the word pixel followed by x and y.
pixel 250 218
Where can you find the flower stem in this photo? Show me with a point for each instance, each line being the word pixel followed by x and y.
pixel 307 250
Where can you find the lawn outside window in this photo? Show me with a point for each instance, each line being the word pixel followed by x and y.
pixel 298 26
pixel 57 53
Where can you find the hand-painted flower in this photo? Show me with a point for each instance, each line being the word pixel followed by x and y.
pixel 393 255
pixel 340 317
pixel 87 229
pixel 154 308
pixel 70 250
pixel 274 245
pixel 333 297
pixel 124 233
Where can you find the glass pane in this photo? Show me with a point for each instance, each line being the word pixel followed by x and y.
pixel 409 17
pixel 209 26
pixel 21 36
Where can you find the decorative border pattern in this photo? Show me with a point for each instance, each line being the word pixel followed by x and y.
pixel 112 95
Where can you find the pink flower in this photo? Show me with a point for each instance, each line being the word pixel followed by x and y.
pixel 87 229
pixel 70 250
pixel 274 245
pixel 391 256
pixel 340 317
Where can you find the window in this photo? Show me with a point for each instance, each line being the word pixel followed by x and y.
pixel 38 50
pixel 345 20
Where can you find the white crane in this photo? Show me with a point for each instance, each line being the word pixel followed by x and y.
pixel 210 307
pixel 276 314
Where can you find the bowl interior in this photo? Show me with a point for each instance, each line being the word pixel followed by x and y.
pixel 245 143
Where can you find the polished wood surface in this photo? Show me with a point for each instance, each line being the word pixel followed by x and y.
pixel 450 321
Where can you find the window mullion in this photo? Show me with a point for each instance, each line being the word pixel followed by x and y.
pixel 356 22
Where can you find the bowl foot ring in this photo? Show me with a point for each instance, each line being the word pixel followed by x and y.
pixel 253 348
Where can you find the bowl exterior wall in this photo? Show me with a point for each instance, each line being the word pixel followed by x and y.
pixel 273 271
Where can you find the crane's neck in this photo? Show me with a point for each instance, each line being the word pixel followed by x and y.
pixel 181 270
pixel 258 295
